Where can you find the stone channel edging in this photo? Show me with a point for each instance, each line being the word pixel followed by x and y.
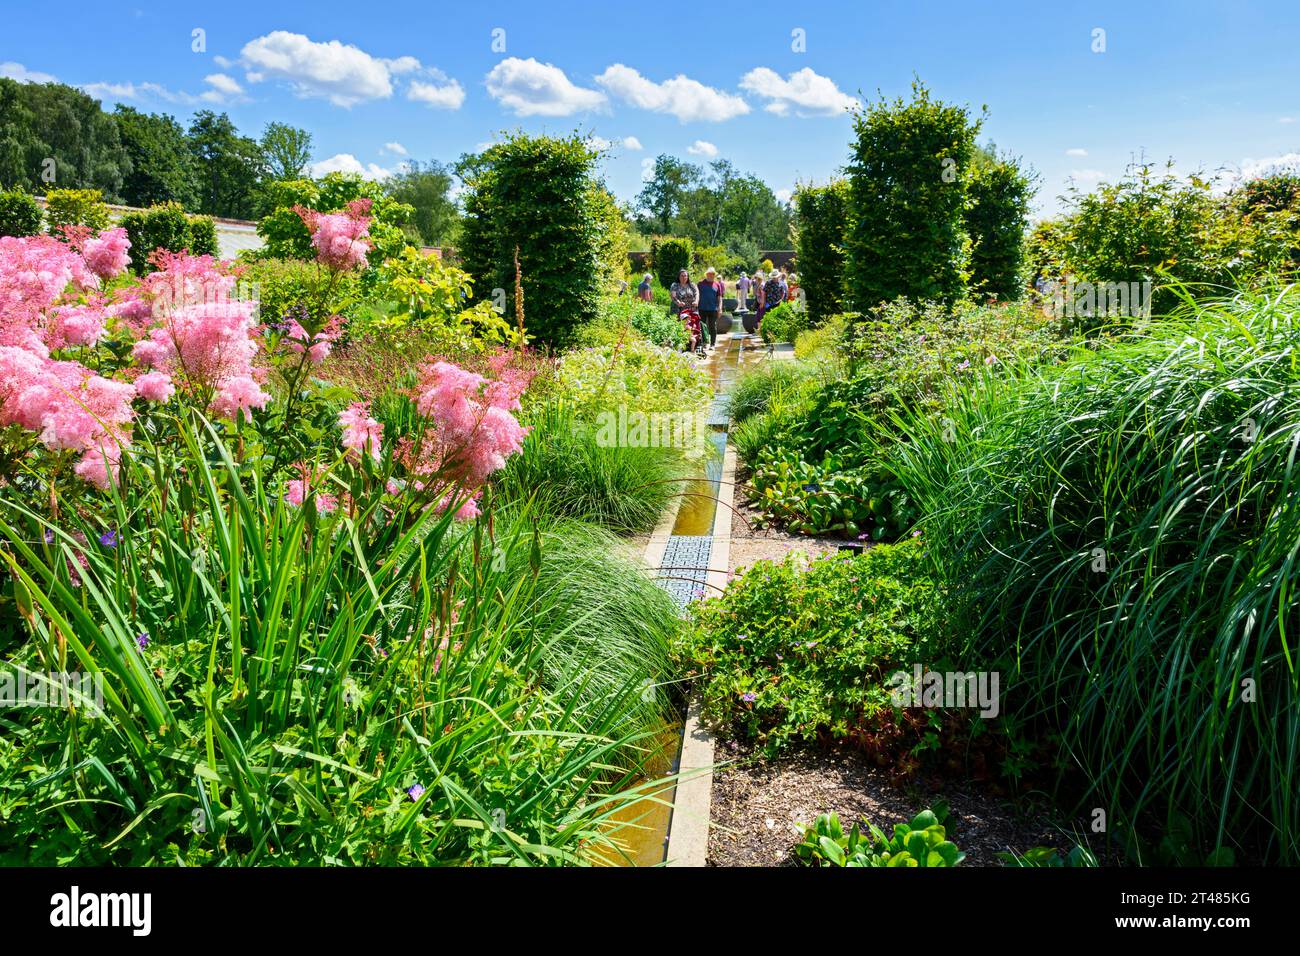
pixel 688 833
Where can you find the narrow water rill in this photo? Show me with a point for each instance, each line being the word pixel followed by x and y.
pixel 683 572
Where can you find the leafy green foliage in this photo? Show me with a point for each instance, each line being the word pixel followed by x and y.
pixel 650 319
pixel 367 685
pixel 227 166
pixel 20 214
pixel 792 651
pixel 998 194
pixel 76 207
pixel 669 256
pixel 1050 857
pixel 1128 521
pixel 54 121
pixel 923 841
pixel 566 471
pixel 907 195
pixel 784 323
pixel 822 224
pixel 425 299
pixel 426 188
pixel 535 194
pixel 166 226
pixel 161 168
pixel 286 236
pixel 633 373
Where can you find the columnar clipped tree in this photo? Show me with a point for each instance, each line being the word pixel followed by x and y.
pixel 907 193
pixel 669 256
pixel 998 193
pixel 822 219
pixel 535 194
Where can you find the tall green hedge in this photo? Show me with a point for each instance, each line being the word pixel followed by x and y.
pixel 20 214
pixel 821 227
pixel 535 194
pixel 166 226
pixel 907 191
pixel 998 194
pixel 669 256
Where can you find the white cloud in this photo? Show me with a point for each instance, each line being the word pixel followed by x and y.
pixel 396 149
pixel 224 89
pixel 1286 119
pixel 647 169
pixel 1252 168
pixel 783 195
pixel 805 92
pixel 1087 175
pixel 631 142
pixel 344 74
pixel 338 72
pixel 598 143
pixel 702 148
pixel 681 96
pixel 347 163
pixel 16 71
pixel 1076 151
pixel 530 88
pixel 222 85
pixel 448 95
pixel 222 61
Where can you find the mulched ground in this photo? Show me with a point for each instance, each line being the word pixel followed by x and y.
pixel 750 543
pixel 756 804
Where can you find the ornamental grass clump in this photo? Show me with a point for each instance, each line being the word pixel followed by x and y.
pixel 1123 535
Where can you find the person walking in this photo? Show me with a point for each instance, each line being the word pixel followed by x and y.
pixel 773 294
pixel 710 292
pixel 742 292
pixel 645 292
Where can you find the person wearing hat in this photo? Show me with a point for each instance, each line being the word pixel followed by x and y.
pixel 644 291
pixel 711 303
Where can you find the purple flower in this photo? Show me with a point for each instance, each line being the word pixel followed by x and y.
pixel 142 641
pixel 965 364
pixel 864 536
pixel 749 697
pixel 49 536
pixel 416 791
pixel 109 538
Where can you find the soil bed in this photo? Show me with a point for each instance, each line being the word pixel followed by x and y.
pixel 758 802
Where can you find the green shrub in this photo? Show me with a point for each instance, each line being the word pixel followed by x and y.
pixel 923 841
pixel 634 374
pixel 424 299
pixel 995 219
pixel 76 207
pixel 650 319
pixel 669 255
pixel 164 226
pixel 783 324
pixel 826 341
pixel 284 284
pixel 822 225
pixel 203 236
pixel 534 195
pixel 1120 534
pixel 907 194
pixel 1167 230
pixel 20 214
pixel 792 651
pixel 566 471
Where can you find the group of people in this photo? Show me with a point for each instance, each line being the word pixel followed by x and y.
pixel 705 296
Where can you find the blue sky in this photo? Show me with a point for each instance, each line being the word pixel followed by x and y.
pixel 1211 84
